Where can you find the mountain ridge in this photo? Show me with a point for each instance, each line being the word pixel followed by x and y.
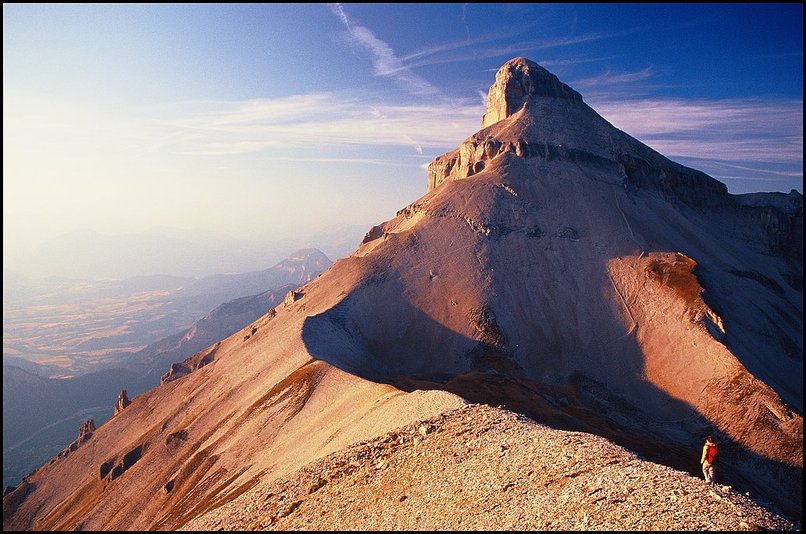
pixel 541 479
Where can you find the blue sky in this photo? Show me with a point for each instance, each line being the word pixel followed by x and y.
pixel 265 120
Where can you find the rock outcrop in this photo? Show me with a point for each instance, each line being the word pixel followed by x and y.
pixel 781 216
pixel 122 402
pixel 187 366
pixel 516 83
pixel 84 433
pixel 531 115
pixel 291 297
pixel 86 429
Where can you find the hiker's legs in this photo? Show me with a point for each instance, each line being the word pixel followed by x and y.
pixel 708 471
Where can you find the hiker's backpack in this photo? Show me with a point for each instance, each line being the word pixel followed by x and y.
pixel 710 454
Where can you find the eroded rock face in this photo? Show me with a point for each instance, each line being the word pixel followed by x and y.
pixel 781 216
pixel 291 297
pixel 115 467
pixel 516 82
pixel 374 233
pixel 547 120
pixel 86 429
pixel 122 402
pixel 84 433
pixel 474 154
pixel 187 366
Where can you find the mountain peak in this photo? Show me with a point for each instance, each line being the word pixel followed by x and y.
pixel 518 81
pixel 534 117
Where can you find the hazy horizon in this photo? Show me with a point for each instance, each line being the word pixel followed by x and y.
pixel 86 254
pixel 270 121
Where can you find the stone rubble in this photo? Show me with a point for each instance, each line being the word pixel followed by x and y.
pixel 484 468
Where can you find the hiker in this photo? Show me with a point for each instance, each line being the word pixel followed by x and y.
pixel 709 451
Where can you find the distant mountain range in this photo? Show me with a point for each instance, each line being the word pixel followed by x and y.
pixel 85 325
pixel 41 415
pixel 90 255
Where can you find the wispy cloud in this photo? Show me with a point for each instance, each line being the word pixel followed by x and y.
pixel 349 161
pixel 483 96
pixel 339 11
pixel 726 138
pixel 468 51
pixel 384 59
pixel 760 170
pixel 572 61
pixel 747 139
pixel 499 42
pixel 414 143
pixel 609 79
pixel 735 129
pixel 316 120
pixel 426 56
pixel 463 17
pixel 503 43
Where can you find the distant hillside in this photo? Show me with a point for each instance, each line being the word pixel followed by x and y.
pixel 298 267
pixel 220 323
pixel 79 326
pixel 42 415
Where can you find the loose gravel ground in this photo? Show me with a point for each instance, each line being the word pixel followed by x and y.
pixel 485 468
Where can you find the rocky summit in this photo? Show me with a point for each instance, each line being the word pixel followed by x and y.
pixel 517 83
pixel 621 307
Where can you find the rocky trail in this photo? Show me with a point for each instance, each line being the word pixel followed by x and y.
pixel 484 468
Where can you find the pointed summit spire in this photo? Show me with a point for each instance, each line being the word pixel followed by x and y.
pixel 517 81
